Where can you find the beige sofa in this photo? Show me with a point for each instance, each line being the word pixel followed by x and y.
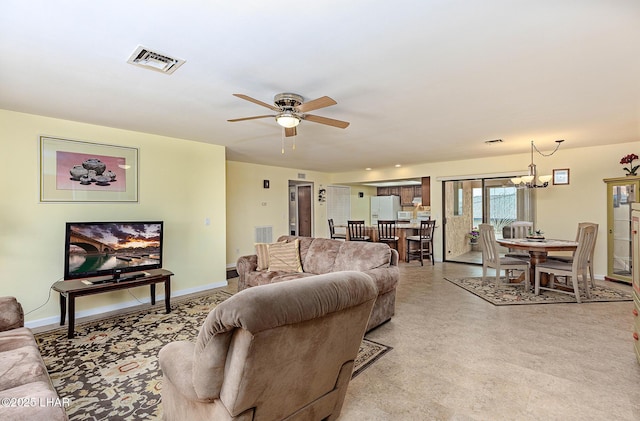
pixel 275 352
pixel 26 392
pixel 322 255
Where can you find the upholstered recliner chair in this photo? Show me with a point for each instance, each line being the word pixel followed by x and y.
pixel 272 352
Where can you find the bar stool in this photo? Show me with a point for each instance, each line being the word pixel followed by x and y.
pixel 425 242
pixel 332 231
pixel 357 231
pixel 387 233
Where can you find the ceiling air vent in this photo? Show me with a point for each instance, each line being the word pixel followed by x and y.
pixel 146 58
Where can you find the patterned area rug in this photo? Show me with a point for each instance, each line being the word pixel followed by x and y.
pixel 511 294
pixel 110 369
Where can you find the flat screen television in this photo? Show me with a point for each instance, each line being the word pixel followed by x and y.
pixel 111 248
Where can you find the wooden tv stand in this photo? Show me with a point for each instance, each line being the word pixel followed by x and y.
pixel 80 287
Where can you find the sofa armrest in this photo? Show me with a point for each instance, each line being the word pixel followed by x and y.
pixel 244 265
pixel 394 258
pixel 386 279
pixel 11 314
pixel 176 363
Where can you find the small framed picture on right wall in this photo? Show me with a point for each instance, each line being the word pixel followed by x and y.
pixel 561 176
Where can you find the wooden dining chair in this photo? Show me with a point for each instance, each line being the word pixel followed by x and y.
pixel 387 233
pixel 357 231
pixel 491 258
pixel 332 232
pixel 425 242
pixel 569 259
pixel 575 270
pixel 519 229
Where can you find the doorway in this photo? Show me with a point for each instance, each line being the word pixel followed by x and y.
pixel 300 208
pixel 468 203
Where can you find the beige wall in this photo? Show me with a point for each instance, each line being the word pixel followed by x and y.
pixel 180 182
pixel 249 205
pixel 183 183
pixel 559 208
pixel 361 206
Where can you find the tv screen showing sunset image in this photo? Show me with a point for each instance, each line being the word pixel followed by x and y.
pixel 101 248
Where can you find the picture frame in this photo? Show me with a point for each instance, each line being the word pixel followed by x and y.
pixel 561 176
pixel 80 171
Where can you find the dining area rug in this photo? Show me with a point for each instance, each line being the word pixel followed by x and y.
pixel 502 294
pixel 110 369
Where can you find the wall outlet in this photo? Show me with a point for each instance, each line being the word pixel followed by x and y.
pixel 263 204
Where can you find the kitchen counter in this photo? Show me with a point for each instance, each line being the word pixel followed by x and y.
pixel 402 231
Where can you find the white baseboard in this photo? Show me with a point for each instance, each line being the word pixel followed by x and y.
pixel 122 306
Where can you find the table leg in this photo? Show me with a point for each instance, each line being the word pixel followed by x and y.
pixel 537 257
pixel 167 295
pixel 72 316
pixel 153 294
pixel 63 308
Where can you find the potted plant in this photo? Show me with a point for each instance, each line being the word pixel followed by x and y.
pixel 473 235
pixel 628 159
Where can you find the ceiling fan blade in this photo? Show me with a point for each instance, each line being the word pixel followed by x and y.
pixel 255 101
pixel 250 118
pixel 315 104
pixel 328 121
pixel 290 131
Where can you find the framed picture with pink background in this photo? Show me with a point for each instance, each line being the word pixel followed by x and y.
pixel 78 171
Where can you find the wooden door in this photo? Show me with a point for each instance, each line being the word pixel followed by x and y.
pixel 305 200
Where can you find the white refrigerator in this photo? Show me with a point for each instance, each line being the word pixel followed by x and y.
pixel 384 207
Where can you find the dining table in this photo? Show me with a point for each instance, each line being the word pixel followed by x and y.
pixel 538 249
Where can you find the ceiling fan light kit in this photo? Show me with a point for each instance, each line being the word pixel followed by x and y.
pixel 291 110
pixel 288 120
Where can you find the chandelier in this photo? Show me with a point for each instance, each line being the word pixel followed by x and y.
pixel 529 181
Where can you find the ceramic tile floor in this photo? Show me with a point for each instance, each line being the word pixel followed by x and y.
pixel 457 357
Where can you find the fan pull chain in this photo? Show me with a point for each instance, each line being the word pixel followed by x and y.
pixel 282 150
pixel 294 143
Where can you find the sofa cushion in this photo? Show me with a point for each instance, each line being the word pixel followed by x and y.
pixel 304 244
pixel 359 256
pixel 321 256
pixel 16 338
pixel 44 403
pixel 282 276
pixel 21 365
pixel 262 251
pixel 11 314
pixel 284 257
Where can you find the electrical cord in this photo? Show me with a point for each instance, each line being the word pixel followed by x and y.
pixel 45 303
pixel 49 298
pixel 135 298
pixel 551 153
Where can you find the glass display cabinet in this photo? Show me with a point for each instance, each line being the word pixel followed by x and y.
pixel 621 193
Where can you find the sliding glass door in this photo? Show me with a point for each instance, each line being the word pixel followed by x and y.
pixel 468 203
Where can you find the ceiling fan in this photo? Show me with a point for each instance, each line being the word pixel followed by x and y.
pixel 290 110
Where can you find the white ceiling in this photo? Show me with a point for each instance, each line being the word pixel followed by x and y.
pixel 419 80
